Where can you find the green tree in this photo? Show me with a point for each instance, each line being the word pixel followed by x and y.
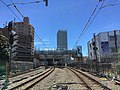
pixel 118 67
pixel 3 54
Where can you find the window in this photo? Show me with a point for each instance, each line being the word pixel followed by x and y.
pixel 112 38
pixel 113 49
pixel 90 46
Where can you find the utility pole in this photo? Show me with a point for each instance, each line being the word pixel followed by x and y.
pixel 11 40
pixel 8 62
pixel 54 58
pixel 65 58
pixel 116 51
pixel 95 52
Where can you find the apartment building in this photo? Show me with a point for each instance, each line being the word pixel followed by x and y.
pixel 23 49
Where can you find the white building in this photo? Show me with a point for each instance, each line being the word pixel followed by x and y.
pixel 108 44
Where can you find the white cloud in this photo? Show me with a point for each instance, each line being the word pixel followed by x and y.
pixel 37 43
pixel 44 41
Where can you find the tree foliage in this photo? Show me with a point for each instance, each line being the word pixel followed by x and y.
pixel 3 49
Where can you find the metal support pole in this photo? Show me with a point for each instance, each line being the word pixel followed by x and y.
pixel 62 59
pixel 45 62
pixel 95 51
pixel 65 60
pixel 53 61
pixel 54 58
pixel 9 62
pixel 116 50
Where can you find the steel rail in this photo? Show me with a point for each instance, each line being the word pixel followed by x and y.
pixel 97 82
pixel 24 84
pixel 22 73
pixel 75 72
pixel 30 86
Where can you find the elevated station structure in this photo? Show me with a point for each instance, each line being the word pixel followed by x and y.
pixel 57 57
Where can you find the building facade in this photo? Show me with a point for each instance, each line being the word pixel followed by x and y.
pixel 108 43
pixel 62 40
pixel 107 52
pixel 23 49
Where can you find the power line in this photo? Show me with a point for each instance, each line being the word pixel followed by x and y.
pixel 99 11
pixel 41 40
pixel 25 3
pixel 17 8
pixel 93 18
pixel 110 5
pixel 20 19
pixel 87 22
pixel 101 7
pixel 10 9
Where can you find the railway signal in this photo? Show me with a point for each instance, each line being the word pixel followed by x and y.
pixel 11 37
pixel 94 46
pixel 10 26
pixel 46 2
pixel 95 52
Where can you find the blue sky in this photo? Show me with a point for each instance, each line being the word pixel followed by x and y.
pixel 64 14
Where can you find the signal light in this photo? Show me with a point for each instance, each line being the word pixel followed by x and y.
pixel 93 43
pixel 10 26
pixel 94 46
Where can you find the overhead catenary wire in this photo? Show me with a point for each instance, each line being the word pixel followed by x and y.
pixel 93 19
pixel 87 22
pixel 101 7
pixel 21 20
pixel 18 11
pixel 10 9
pixel 17 8
pixel 41 40
pixel 23 16
pixel 110 5
pixel 25 3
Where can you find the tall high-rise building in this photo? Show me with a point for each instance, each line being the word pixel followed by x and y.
pixel 23 50
pixel 62 40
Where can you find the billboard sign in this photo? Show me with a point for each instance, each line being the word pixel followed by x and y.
pixel 105 47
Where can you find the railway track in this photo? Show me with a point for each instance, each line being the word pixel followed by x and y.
pixel 24 72
pixel 89 82
pixel 24 75
pixel 31 81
